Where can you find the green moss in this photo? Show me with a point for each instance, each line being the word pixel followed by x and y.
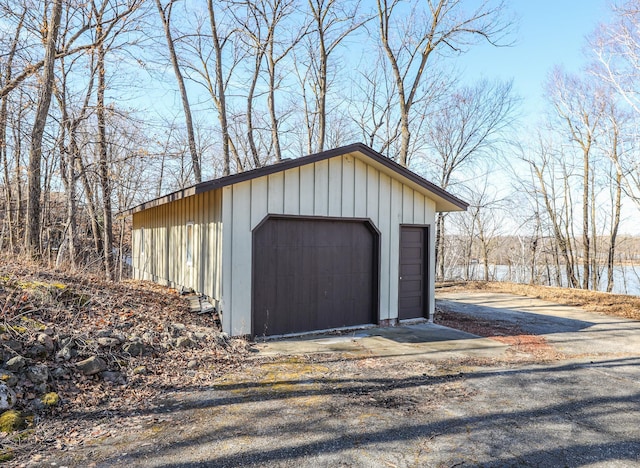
pixel 50 399
pixel 31 323
pixel 13 328
pixel 40 284
pixel 6 455
pixel 10 421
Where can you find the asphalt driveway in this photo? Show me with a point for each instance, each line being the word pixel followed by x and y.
pixel 417 395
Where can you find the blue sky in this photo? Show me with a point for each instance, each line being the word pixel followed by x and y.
pixel 550 33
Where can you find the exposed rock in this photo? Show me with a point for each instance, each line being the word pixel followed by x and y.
pixel 7 397
pixel 177 329
pixel 119 336
pixel 60 373
pixel 15 345
pixel 104 333
pixel 112 376
pixel 16 363
pixel 199 336
pixel 107 342
pixel 68 342
pixel 139 370
pixel 36 351
pixel 92 365
pixel 8 378
pixel 11 421
pixel 38 374
pixel 192 364
pixel 184 342
pixel 66 353
pixel 135 348
pixel 48 330
pixel 148 337
pixel 222 339
pixel 46 341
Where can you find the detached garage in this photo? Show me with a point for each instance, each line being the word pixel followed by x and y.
pixel 336 239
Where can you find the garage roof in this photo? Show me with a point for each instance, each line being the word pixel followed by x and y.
pixel 444 200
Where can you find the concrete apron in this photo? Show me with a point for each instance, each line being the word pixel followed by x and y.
pixel 569 329
pixel 423 339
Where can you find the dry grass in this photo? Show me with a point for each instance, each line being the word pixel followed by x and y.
pixel 618 305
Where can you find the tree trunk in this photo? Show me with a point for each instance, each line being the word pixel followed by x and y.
pixel 586 244
pixel 96 231
pixel 105 180
pixel 271 101
pixel 611 255
pixel 32 238
pixel 222 104
pixel 166 23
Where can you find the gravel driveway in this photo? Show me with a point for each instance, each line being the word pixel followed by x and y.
pixel 418 395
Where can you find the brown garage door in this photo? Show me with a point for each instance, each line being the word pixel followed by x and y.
pixel 412 297
pixel 311 274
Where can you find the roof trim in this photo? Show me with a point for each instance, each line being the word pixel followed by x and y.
pixel 445 200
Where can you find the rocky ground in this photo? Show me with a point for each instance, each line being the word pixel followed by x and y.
pixel 87 362
pixel 77 348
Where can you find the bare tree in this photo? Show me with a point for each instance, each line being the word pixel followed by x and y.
pixel 5 77
pixel 580 106
pixel 542 163
pixel 51 27
pixel 613 136
pixel 470 124
pixel 616 46
pixel 165 17
pixel 411 35
pixel 331 22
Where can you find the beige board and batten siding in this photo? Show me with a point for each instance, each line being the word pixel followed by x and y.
pixel 164 229
pixel 343 186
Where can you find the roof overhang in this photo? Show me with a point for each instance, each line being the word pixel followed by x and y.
pixel 444 200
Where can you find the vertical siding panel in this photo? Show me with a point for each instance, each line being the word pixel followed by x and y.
pixel 241 254
pixel 186 216
pixel 307 189
pixel 394 239
pixel 321 188
pixel 149 260
pixel 182 208
pixel 201 258
pixel 259 194
pixel 162 245
pixel 227 259
pixel 276 193
pixel 215 266
pixel 348 187
pixel 205 258
pixel 418 208
pixel 292 191
pixel 407 205
pixel 361 196
pixel 384 224
pixel 218 232
pixel 335 186
pixel 212 258
pixel 373 195
pixel 171 233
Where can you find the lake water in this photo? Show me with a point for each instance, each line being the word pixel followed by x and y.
pixel 626 279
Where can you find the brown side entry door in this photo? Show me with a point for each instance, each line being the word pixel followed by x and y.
pixel 313 274
pixel 414 262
